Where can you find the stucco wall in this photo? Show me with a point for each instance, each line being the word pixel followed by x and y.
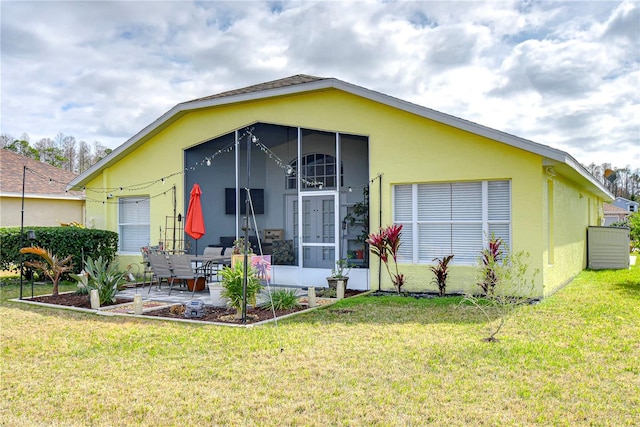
pixel 574 209
pixel 404 148
pixel 40 211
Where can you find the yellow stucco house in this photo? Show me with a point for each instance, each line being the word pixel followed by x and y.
pixel 306 147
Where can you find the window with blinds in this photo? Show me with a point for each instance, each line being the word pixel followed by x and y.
pixel 451 218
pixel 133 223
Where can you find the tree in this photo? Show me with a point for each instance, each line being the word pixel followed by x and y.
pixel 511 287
pixel 23 148
pixel 99 151
pixel 50 152
pixel 83 157
pixel 68 147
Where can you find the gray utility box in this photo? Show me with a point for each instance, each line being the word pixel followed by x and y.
pixel 607 248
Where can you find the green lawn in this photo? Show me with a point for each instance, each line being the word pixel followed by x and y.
pixel 573 359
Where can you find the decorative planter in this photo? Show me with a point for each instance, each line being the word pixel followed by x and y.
pixel 215 291
pixel 199 283
pixel 333 282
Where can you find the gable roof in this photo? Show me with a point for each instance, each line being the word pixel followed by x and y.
pixel 626 201
pixel 41 179
pixel 609 209
pixel 560 160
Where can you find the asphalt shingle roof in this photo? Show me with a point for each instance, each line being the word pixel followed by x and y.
pixel 41 178
pixel 274 84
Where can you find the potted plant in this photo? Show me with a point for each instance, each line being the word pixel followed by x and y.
pixel 340 272
pixel 239 251
pixel 359 214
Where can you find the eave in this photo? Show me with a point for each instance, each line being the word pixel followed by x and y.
pixel 570 167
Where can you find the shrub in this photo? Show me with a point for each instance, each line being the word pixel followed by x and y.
pixel 387 243
pixel 232 282
pixel 63 241
pixel 490 258
pixel 511 288
pixel 634 230
pixel 283 299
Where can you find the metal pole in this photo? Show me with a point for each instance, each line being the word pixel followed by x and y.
pixel 246 232
pixel 174 220
pixel 379 226
pixel 24 173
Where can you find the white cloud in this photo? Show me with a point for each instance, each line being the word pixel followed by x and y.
pixel 564 74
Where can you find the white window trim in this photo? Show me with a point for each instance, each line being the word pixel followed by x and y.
pixel 485 222
pixel 120 225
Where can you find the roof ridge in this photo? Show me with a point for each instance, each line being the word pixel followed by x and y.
pixel 273 84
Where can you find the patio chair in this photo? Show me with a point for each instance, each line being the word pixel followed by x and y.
pixel 146 265
pixel 182 269
pixel 160 267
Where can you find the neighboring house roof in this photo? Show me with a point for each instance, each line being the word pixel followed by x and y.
pixel 41 179
pixel 612 210
pixel 553 158
pixel 627 202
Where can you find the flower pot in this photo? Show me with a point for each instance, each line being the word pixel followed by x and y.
pixel 215 291
pixel 199 284
pixel 333 282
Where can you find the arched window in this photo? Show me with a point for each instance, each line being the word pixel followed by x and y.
pixel 317 169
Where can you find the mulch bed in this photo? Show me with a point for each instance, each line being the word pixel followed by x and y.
pixel 212 314
pixel 70 300
pixel 224 315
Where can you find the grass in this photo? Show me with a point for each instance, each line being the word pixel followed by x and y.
pixel 573 359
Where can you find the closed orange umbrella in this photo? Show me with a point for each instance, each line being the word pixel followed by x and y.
pixel 194 224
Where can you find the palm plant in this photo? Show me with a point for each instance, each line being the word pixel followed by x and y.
pixel 51 266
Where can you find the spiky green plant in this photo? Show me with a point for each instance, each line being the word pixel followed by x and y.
pixel 105 277
pixel 283 299
pixel 232 282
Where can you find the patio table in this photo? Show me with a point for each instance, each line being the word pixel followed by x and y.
pixel 209 265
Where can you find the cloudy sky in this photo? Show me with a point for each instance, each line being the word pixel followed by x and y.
pixel 564 74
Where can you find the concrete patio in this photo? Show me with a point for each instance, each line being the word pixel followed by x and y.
pixel 181 294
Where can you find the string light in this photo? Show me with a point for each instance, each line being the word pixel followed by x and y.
pixel 289 170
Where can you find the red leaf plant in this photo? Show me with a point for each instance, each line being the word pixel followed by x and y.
pixel 490 258
pixel 386 243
